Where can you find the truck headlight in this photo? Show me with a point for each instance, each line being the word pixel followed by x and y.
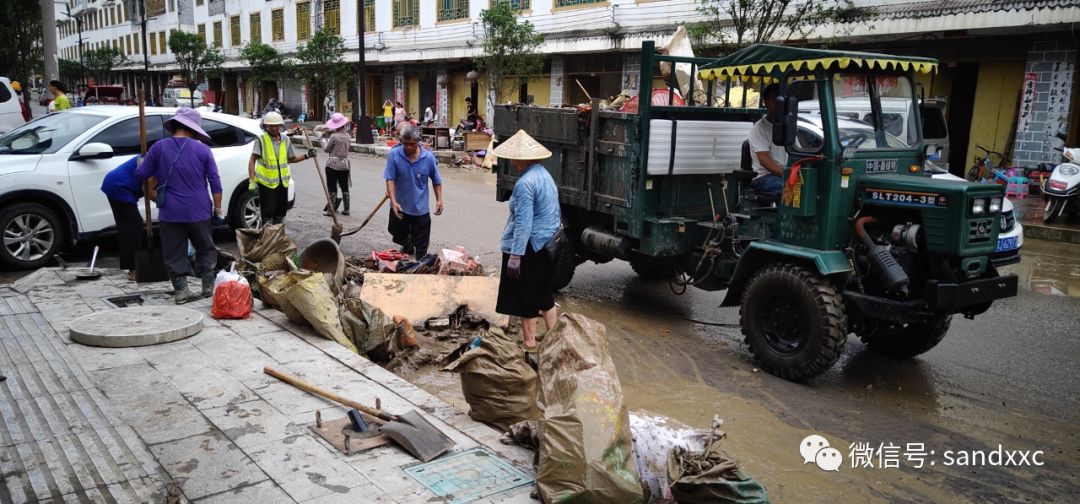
pixel 978 206
pixel 995 205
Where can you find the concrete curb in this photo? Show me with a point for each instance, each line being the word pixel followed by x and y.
pixel 1052 233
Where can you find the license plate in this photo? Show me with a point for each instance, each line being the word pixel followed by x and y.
pixel 907 198
pixel 1005 244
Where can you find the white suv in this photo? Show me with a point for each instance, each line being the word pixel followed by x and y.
pixel 51 170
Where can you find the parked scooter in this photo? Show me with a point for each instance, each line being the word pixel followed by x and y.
pixel 1062 190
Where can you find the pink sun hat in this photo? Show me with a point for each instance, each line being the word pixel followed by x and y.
pixel 336 121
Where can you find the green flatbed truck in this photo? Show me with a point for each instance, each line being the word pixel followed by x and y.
pixel 861 240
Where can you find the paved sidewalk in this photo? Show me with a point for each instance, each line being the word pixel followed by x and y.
pixel 86 424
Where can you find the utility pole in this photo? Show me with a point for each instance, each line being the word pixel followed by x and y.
pixel 360 117
pixel 78 28
pixel 48 28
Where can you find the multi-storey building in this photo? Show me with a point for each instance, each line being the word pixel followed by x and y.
pixel 421 51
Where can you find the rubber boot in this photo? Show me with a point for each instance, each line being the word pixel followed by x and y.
pixel 326 208
pixel 208 284
pixel 345 199
pixel 180 286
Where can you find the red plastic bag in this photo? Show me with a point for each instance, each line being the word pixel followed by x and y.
pixel 232 296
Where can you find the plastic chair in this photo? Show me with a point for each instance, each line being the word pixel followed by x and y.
pixel 1017 186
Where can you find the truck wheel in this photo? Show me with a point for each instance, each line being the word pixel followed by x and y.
pixel 245 212
pixel 32 235
pixel 651 269
pixel 907 340
pixel 793 321
pixel 562 270
pixel 1053 209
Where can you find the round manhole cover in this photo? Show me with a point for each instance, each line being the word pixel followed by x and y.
pixel 136 326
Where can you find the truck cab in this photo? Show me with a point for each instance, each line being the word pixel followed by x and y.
pixel 861 240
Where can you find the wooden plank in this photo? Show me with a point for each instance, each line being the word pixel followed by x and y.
pixel 422 297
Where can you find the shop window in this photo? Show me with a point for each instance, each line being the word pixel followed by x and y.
pixel 234 31
pixel 255 24
pixel 332 16
pixel 406 13
pixel 277 24
pixel 453 9
pixel 303 21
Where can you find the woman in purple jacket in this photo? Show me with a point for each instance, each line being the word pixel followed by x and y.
pixel 183 166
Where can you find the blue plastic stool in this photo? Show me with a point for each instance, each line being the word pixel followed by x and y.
pixel 1017 186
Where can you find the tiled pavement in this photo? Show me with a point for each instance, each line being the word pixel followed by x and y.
pixel 85 424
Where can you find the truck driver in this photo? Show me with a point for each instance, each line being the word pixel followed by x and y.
pixel 768 159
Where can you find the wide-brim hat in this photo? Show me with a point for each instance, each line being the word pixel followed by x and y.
pixel 190 119
pixel 336 121
pixel 523 147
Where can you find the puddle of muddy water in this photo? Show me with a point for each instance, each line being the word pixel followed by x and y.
pixel 1051 268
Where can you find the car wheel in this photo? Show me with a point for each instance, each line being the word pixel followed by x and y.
pixel 32 234
pixel 246 213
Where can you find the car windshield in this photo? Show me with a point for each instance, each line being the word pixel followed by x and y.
pixel 47 134
pixel 856 95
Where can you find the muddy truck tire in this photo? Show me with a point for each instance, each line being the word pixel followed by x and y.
pixel 904 341
pixel 793 321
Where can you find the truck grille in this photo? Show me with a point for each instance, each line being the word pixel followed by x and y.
pixel 979 231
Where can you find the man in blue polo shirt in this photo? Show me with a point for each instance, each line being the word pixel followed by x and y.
pixel 408 169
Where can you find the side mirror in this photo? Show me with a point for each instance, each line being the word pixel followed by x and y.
pixel 786 125
pixel 93 150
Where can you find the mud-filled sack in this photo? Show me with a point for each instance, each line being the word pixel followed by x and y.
pixel 586 453
pixel 496 380
pixel 256 244
pixel 370 329
pixel 711 476
pixel 232 296
pixel 312 298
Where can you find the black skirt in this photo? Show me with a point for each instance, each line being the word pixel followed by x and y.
pixel 529 294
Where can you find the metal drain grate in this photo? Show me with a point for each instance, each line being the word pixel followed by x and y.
pixel 467 476
pixel 144 299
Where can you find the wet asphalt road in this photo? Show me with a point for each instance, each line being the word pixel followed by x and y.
pixel 1007 377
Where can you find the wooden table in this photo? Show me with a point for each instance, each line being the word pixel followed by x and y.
pixel 438 138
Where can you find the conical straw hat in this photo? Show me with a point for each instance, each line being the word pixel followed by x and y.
pixel 521 146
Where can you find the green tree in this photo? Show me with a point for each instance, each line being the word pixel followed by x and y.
pixel 265 62
pixel 196 60
pixel 510 51
pixel 70 71
pixel 21 51
pixel 731 25
pixel 100 62
pixel 322 59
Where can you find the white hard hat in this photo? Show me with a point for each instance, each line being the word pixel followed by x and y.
pixel 272 118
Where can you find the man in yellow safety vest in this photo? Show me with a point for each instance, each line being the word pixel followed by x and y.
pixel 268 169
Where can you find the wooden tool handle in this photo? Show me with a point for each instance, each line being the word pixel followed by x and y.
pixel 319 391
pixel 370 215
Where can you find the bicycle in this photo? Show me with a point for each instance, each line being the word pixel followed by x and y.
pixel 983 168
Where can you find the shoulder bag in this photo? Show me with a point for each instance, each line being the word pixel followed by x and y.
pixel 555 244
pixel 159 198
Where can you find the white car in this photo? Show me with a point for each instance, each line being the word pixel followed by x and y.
pixel 11 115
pixel 51 170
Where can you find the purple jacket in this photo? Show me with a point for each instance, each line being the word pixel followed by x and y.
pixel 187 199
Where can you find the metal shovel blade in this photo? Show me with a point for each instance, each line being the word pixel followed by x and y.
pixel 418 436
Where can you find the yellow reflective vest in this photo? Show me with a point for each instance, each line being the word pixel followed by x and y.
pixel 272 168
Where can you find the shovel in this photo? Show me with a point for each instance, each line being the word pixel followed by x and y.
pixel 368 219
pixel 149 265
pixel 335 230
pixel 410 430
pixel 90 275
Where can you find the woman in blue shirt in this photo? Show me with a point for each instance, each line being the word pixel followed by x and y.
pixel 123 190
pixel 525 285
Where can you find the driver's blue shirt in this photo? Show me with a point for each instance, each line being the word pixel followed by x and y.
pixel 121 185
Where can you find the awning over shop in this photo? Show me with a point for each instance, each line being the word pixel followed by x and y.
pixel 763 60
